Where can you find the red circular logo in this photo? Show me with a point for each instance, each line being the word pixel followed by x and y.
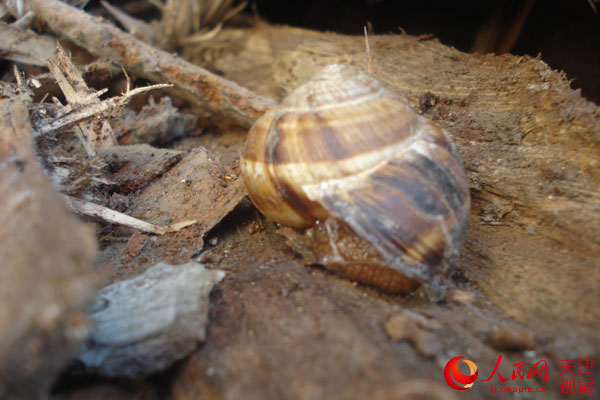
pixel 456 379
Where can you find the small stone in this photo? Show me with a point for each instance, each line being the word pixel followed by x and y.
pixel 510 337
pixel 400 327
pixel 135 243
pixel 211 257
pixel 417 330
pixel 460 296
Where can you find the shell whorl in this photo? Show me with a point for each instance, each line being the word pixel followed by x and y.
pixel 333 118
pixel 344 146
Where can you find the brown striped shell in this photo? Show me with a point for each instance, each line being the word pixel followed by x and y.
pixel 380 189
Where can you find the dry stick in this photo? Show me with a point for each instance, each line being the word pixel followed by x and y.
pixel 190 81
pixel 369 59
pixel 138 28
pixel 95 210
pixel 94 135
pixel 94 110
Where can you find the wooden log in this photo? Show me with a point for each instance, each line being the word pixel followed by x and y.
pixel 529 143
pixel 530 146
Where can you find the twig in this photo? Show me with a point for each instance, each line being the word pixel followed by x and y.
pixel 94 110
pixel 192 82
pixel 202 36
pixel 500 33
pixel 25 21
pixel 369 59
pixel 115 217
pixel 93 136
pixel 138 28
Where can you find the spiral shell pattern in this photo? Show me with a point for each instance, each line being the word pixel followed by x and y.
pixel 343 146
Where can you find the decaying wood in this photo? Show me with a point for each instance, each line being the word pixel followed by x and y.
pixel 84 104
pixel 137 28
pixel 530 146
pixel 197 188
pixel 133 167
pixel 144 324
pixel 24 46
pixel 529 143
pixel 95 135
pixel 157 122
pixel 527 285
pixel 182 18
pixel 104 108
pixel 46 275
pixel 105 40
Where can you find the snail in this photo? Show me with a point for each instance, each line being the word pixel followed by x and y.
pixel 378 190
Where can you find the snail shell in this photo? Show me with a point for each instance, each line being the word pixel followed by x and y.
pixel 343 153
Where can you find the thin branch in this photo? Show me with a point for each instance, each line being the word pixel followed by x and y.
pixel 77 93
pixel 115 217
pixel 94 110
pixel 192 82
pixel 369 59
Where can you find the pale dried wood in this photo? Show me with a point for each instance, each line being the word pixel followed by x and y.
pixel 106 214
pixel 144 324
pixel 105 40
pixel 46 258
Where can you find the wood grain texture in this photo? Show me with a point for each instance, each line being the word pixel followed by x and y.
pixel 144 324
pixel 46 265
pixel 530 146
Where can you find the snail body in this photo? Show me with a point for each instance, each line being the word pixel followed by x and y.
pixel 350 162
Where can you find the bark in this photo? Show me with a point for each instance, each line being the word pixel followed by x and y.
pixel 46 259
pixel 105 40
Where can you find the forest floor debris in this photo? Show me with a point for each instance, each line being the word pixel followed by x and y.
pixel 527 286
